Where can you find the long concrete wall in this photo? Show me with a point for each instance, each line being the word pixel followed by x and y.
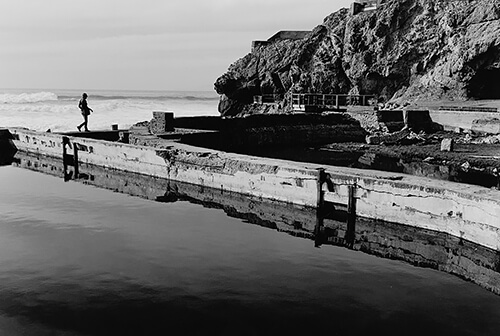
pixel 266 178
pixel 465 211
pixel 459 119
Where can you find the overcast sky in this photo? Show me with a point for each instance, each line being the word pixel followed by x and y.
pixel 139 44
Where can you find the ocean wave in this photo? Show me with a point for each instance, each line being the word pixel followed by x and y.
pixel 151 98
pixel 23 98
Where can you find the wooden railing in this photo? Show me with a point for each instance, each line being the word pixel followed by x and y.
pixel 267 98
pixel 305 101
pixel 316 101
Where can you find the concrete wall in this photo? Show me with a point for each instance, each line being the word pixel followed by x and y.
pixel 486 126
pixel 459 119
pixel 266 178
pixel 465 211
pixel 288 35
pixel 257 44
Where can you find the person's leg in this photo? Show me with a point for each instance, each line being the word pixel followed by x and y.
pixel 84 123
pixel 86 118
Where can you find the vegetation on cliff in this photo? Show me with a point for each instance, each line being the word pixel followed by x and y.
pixel 405 50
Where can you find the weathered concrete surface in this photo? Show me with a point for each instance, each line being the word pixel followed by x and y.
pixel 266 178
pixel 465 211
pixel 388 138
pixel 459 119
pixel 162 122
pixel 487 126
pixel 108 135
pixel 383 125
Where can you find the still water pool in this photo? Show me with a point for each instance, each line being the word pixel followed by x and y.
pixel 79 260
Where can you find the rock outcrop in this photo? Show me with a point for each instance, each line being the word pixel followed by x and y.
pixel 404 51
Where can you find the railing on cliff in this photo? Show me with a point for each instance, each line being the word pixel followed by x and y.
pixel 309 102
pixel 267 98
pixel 468 108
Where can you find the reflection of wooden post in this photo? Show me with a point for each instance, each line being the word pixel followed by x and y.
pixel 67 175
pixel 351 216
pixel 70 160
pixel 318 229
pixel 75 159
pixel 65 152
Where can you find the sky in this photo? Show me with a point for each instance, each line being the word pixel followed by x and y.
pixel 139 44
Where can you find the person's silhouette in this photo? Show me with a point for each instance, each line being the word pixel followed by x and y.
pixel 82 104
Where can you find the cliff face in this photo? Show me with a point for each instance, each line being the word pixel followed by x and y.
pixel 405 50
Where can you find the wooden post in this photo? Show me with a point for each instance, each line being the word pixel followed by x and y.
pixel 337 102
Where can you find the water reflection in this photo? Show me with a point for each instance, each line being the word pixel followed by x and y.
pixel 333 224
pixel 7 147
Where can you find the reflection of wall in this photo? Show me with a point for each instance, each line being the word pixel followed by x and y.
pixel 420 247
pixel 7 148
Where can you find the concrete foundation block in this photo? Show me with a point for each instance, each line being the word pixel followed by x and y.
pixel 162 122
pixel 447 145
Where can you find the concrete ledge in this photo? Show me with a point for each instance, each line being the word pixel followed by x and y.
pixel 266 178
pixel 459 119
pixel 465 211
pixel 486 126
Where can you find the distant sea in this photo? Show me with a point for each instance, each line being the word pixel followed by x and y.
pixel 58 110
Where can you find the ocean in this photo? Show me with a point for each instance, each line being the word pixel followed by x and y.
pixel 58 110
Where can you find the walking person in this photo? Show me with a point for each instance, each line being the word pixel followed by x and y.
pixel 82 104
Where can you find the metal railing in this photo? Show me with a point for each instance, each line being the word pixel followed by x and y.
pixel 267 98
pixel 303 101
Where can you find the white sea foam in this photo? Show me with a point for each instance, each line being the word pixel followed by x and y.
pixel 22 98
pixel 117 107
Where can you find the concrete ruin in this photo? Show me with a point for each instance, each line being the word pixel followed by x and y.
pixel 364 6
pixel 280 36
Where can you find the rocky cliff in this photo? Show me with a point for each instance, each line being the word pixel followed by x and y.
pixel 404 51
